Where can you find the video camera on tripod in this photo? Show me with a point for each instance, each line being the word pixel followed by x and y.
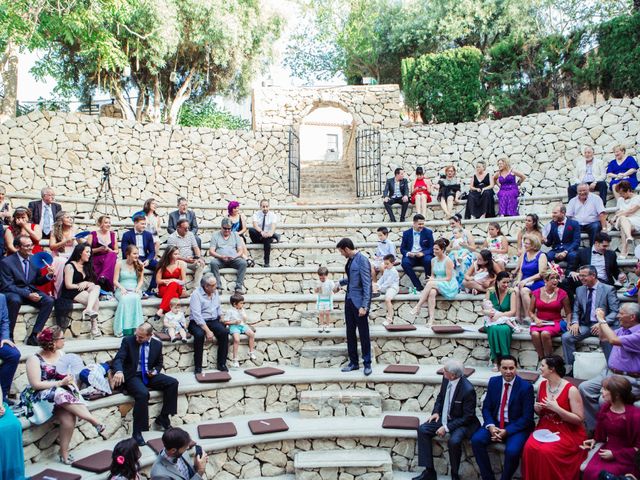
pixel 105 190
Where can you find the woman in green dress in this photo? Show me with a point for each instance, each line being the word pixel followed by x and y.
pixel 498 329
pixel 128 279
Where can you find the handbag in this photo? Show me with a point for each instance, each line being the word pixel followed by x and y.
pixel 588 365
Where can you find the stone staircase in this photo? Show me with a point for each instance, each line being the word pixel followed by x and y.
pixel 327 182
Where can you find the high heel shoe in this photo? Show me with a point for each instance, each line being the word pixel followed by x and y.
pixel 66 461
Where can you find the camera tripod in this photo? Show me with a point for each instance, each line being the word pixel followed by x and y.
pixel 105 192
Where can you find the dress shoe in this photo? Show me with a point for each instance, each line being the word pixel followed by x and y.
pixel 9 402
pixel 197 371
pixel 32 341
pixel 367 370
pixel 350 368
pixel 139 440
pixel 223 368
pixel 426 475
pixel 163 423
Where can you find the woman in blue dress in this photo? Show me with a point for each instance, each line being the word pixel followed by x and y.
pixel 11 452
pixel 531 265
pixel 622 167
pixel 443 280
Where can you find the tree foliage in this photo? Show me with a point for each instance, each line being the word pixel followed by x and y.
pixel 446 86
pixel 207 114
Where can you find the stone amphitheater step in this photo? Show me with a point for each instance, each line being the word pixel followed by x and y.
pixel 307 348
pixel 247 456
pixel 362 464
pixel 340 403
pixel 281 310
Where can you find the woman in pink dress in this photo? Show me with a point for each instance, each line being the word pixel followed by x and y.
pixel 617 429
pixel 555 453
pixel 104 253
pixel 548 304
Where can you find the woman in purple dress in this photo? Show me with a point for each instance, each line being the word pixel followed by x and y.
pixel 104 253
pixel 507 180
pixel 622 168
pixel 617 430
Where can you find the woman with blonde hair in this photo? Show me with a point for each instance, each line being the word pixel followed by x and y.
pixel 507 180
pixel 448 190
pixel 62 241
pixel 532 264
pixel 128 280
pixel 104 253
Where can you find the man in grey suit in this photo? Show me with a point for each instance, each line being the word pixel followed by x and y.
pixel 592 295
pixel 189 215
pixel 357 304
pixel 172 463
pixel 396 190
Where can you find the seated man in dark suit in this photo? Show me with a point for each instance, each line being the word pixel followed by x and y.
pixel 396 190
pixel 507 412
pixel 454 413
pixel 138 364
pixel 146 247
pixel 9 354
pixel 18 280
pixel 183 212
pixel 43 212
pixel 417 249
pixel 563 236
pixel 591 296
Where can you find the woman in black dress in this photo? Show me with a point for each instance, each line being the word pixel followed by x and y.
pixel 448 190
pixel 480 202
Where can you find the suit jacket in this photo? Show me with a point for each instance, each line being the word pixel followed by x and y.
pixel 520 405
pixel 175 216
pixel 4 319
pixel 389 187
pixel 36 211
pixel 610 263
pixel 599 170
pixel 12 279
pixel 163 469
pixel 426 242
pixel 358 281
pixel 462 412
pixel 604 297
pixel 570 236
pixel 128 357
pixel 129 238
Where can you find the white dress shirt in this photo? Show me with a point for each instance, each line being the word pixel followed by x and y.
pixel 448 400
pixel 585 212
pixel 506 407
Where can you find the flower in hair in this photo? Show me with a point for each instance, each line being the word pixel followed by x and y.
pixel 120 460
pixel 45 336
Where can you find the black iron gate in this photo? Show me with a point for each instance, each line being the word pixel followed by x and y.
pixel 294 163
pixel 368 169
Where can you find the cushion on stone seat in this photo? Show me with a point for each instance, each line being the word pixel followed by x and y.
pixel 447 329
pixel 95 395
pixel 213 377
pixel 99 462
pixel 268 425
pixel 217 430
pixel 409 369
pixel 156 444
pixel 467 371
pixel 401 421
pixel 164 337
pixel 574 381
pixel 529 376
pixel 263 372
pixel 52 474
pixel 400 328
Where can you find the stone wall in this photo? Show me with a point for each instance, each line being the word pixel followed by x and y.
pixel 68 150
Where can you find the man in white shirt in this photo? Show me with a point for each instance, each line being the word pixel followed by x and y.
pixel 44 211
pixel 591 171
pixel 264 229
pixel 588 210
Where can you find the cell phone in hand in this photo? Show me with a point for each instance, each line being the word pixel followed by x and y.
pixel 198 451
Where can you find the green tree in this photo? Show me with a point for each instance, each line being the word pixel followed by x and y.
pixel 207 114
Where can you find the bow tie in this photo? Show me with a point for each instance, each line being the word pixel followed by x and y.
pixel 138 233
pixel 560 223
pixel 596 253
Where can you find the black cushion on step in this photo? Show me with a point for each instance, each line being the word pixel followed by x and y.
pixel 50 473
pixel 263 372
pixel 408 369
pixel 268 425
pixel 99 462
pixel 217 430
pixel 401 422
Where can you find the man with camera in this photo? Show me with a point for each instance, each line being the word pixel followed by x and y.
pixel 172 463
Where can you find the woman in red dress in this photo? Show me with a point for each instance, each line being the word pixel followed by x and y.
pixel 171 276
pixel 546 311
pixel 421 194
pixel 618 429
pixel 561 411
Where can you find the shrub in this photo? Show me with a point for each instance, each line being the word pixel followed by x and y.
pixel 207 114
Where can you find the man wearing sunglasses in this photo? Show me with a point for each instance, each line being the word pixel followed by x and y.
pixel 226 250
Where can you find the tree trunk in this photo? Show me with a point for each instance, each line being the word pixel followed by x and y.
pixel 155 112
pixel 9 73
pixel 182 95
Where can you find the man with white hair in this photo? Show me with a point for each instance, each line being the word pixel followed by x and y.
pixel 591 171
pixel 454 413
pixel 44 211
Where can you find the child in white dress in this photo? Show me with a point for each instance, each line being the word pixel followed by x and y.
pixel 175 322
pixel 389 284
pixel 324 304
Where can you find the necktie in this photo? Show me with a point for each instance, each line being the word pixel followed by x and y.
pixel 264 220
pixel 587 309
pixel 503 404
pixel 445 407
pixel 143 362
pixel 46 222
pixel 26 269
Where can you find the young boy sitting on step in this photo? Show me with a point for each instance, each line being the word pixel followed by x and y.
pixel 389 284
pixel 236 319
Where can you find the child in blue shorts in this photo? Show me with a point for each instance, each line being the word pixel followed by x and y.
pixel 236 319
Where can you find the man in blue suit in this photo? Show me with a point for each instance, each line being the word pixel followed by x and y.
pixel 417 250
pixel 19 277
pixel 563 236
pixel 146 246
pixel 508 418
pixel 9 354
pixel 357 304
